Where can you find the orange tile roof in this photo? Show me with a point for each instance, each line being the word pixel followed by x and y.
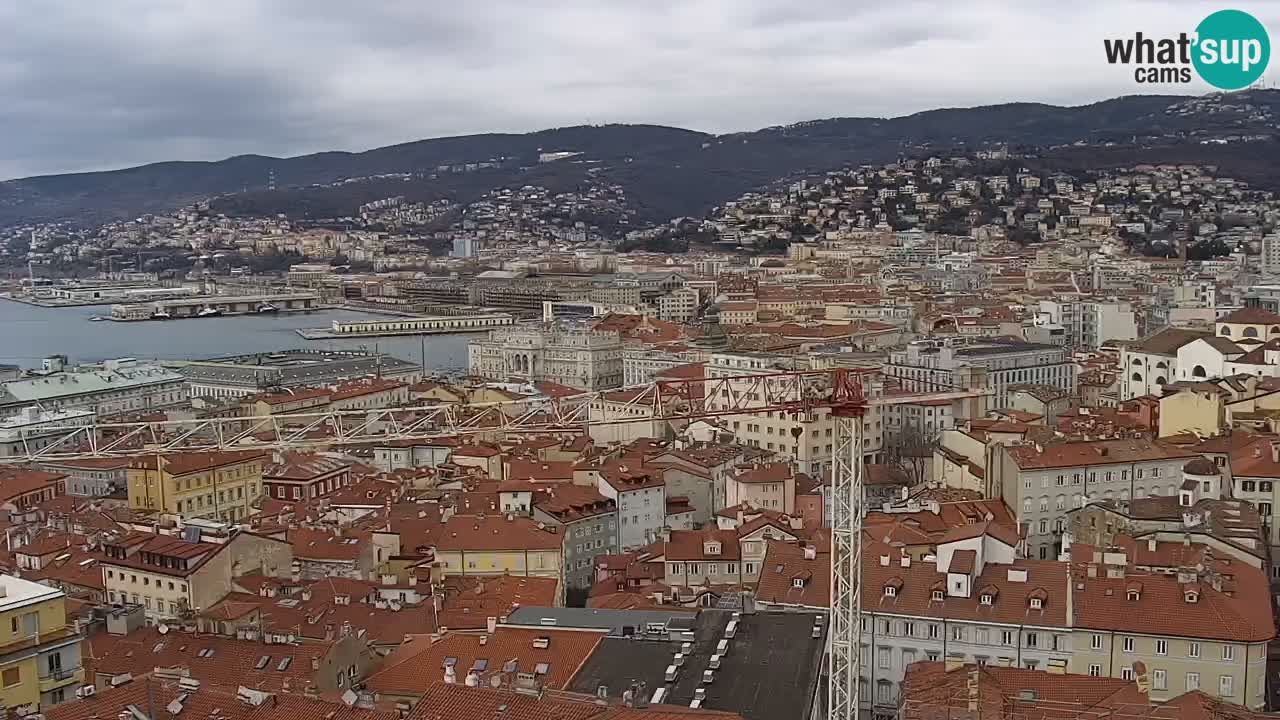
pixel 1239 611
pixel 230 665
pixel 416 667
pixel 783 565
pixel 494 532
pixel 1098 452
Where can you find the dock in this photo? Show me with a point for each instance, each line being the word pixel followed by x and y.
pixel 214 305
pixel 435 325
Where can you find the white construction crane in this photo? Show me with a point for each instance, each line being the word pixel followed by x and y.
pixel 801 393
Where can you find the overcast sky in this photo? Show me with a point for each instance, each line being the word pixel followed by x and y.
pixel 95 84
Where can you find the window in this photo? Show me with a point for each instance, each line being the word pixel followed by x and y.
pixel 1033 639
pixel 1193 681
pixel 937 595
pixel 1036 603
pixel 1128 645
pixel 1159 680
pixel 957 632
pixel 1095 642
pixel 1162 647
pixel 1095 671
pixel 1126 673
pixel 1226 685
pixel 933 631
pixel 1193 650
pixel 1006 637
pixel 883 657
pixel 1228 652
pixel 11 677
pixel 909 629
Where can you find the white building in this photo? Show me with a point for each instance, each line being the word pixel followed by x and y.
pixel 33 429
pixel 569 355
pixel 117 386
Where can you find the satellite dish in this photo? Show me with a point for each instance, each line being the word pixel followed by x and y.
pixel 163 629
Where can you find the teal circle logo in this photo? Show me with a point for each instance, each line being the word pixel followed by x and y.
pixel 1231 49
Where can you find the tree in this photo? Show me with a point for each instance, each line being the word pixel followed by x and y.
pixel 910 452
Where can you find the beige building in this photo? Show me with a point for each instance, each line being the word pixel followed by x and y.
pixel 1193 407
pixel 221 486
pixel 174 576
pixel 768 486
pixel 807 439
pixel 1197 621
pixel 498 545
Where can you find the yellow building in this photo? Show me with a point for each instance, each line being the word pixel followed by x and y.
pixel 1193 407
pixel 39 653
pixel 218 486
pixel 498 545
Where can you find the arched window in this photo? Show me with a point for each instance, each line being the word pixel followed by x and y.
pixel 1137 377
pixel 1275 329
pixel 1226 330
pixel 1162 365
pixel 1199 371
pixel 1137 362
pixel 1161 380
pixel 1250 332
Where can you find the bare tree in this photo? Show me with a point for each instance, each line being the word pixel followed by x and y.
pixel 911 452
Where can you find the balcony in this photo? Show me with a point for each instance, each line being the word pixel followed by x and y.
pixel 51 680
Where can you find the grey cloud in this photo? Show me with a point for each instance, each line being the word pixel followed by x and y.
pixel 91 85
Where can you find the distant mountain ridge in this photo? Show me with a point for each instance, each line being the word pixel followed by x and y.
pixel 665 171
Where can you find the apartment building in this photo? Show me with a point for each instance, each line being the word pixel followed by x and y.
pixel 1041 483
pixel 92 477
pixel 769 486
pixel 1195 619
pixel 302 477
pixel 931 365
pixel 678 306
pixel 114 387
pixel 803 439
pixel 219 486
pixel 1255 478
pixel 642 365
pixel 641 497
pixel 569 355
pixel 697 560
pixel 1090 323
pixel 498 545
pixel 975 599
pixel 170 576
pixel 588 521
pixel 41 664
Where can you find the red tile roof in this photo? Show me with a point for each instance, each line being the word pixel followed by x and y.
pixel 417 666
pixel 494 532
pixel 786 563
pixel 1098 452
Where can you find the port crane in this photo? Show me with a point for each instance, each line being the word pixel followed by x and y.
pixel 804 395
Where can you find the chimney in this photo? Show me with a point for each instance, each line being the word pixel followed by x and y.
pixel 1151 544
pixel 1275 451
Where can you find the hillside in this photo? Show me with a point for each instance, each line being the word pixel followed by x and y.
pixel 664 171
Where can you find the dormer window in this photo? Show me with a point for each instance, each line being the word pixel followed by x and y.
pixel 1191 596
pixel 712 548
pixel 1132 595
pixel 986 599
pixel 1036 603
pixel 938 595
pixel 890 591
pixel 797 582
